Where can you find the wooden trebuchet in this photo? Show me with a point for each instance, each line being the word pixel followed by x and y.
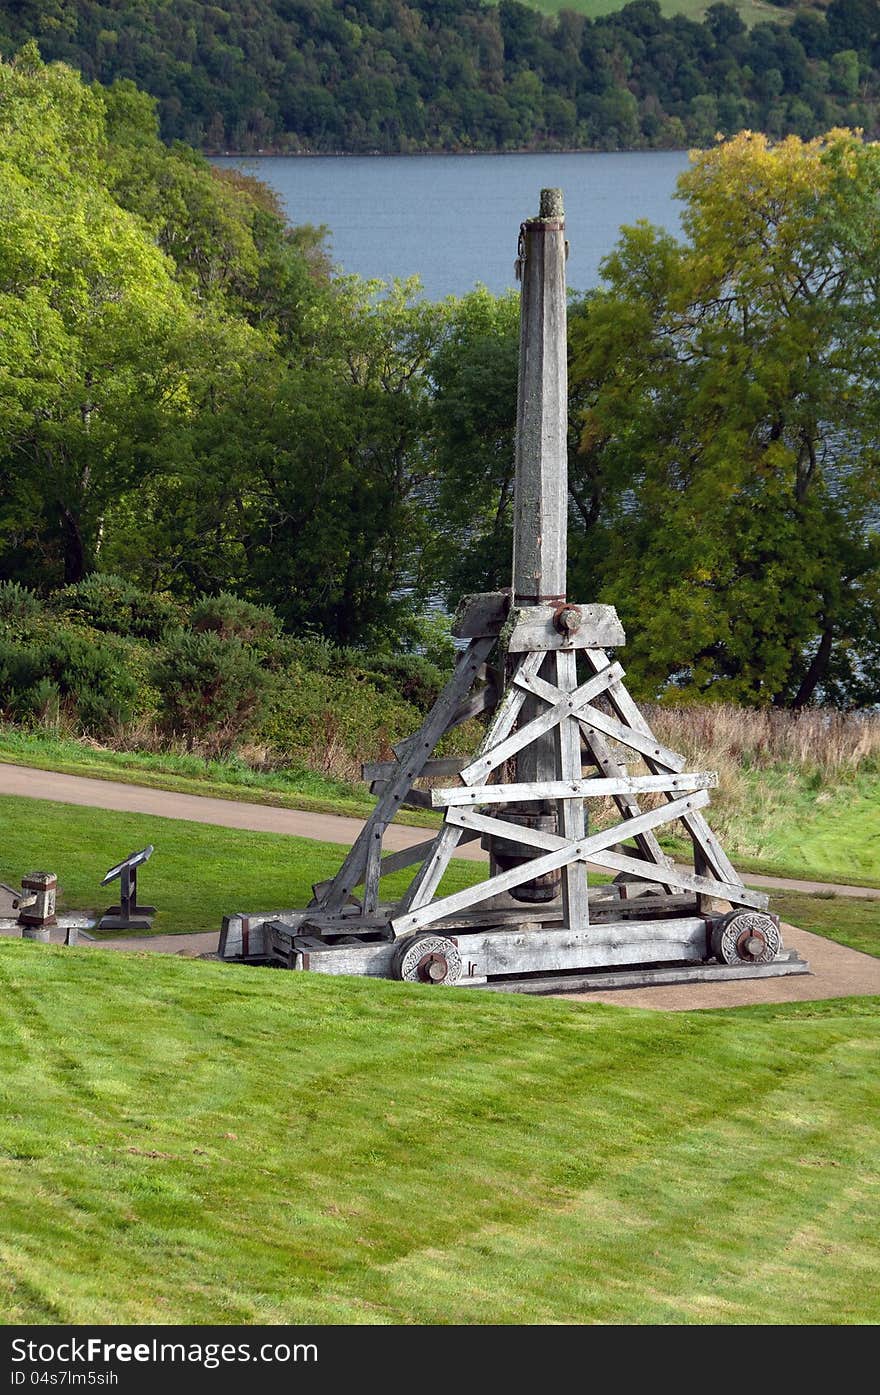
pixel 562 732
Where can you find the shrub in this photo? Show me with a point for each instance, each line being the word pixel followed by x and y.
pixel 212 689
pixel 232 618
pixel 405 676
pixel 331 722
pixel 113 605
pixel 67 671
pixel 17 602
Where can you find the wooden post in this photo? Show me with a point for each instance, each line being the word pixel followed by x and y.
pixel 540 525
pixel 541 498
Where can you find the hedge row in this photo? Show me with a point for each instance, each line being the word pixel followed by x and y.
pixel 103 655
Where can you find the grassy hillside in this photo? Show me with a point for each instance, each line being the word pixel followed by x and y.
pixel 189 1142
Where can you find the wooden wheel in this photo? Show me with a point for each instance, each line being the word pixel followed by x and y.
pixel 746 937
pixel 427 958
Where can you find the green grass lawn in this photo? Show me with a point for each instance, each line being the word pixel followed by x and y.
pixel 786 823
pixel 197 874
pixel 221 779
pixel 194 1142
pixel 200 872
pixel 846 919
pixel 750 11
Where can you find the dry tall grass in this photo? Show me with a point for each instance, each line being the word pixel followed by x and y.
pixel 814 740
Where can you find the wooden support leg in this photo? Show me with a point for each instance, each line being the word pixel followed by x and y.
pixel 570 812
pixel 418 750
pixel 627 804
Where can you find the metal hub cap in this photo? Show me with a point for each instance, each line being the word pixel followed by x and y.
pixel 747 937
pixel 427 958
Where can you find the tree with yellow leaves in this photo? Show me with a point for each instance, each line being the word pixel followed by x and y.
pixel 730 433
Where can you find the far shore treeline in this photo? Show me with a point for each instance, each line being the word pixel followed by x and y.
pixel 454 75
pixel 233 485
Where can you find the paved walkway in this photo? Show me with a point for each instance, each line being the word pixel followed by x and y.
pixel 836 971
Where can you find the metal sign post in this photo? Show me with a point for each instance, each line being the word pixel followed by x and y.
pixel 128 915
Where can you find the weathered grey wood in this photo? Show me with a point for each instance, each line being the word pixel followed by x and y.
pixel 607 838
pixel 606 945
pixel 667 975
pixel 509 707
pixel 729 891
pixel 570 812
pixel 696 825
pixel 563 705
pixel 485 700
pixel 471 896
pixel 395 862
pixel 413 799
pixel 627 805
pixel 499 828
pixel 533 628
pixel 565 852
pixel 430 874
pixel 432 769
pixel 541 451
pixel 242 935
pixel 598 787
pixel 630 737
pixel 352 871
pixel 373 869
pixel 482 614
pixel 536 950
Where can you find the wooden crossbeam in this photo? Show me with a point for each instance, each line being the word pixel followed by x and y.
pixel 387 769
pixel 537 838
pixel 397 861
pixel 631 737
pixel 430 874
pixel 563 705
pixel 562 854
pixel 628 710
pixel 509 707
pixel 688 881
pixel 598 787
pixel 627 805
pixel 503 881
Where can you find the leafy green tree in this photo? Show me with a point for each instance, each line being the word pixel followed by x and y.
pixel 732 424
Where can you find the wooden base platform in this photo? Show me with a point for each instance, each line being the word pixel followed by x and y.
pixel 788 963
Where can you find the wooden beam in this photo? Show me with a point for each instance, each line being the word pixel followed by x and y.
pixel 570 811
pixel 432 769
pixel 430 874
pixel 534 837
pixel 628 710
pixel 534 629
pixel 481 614
pixel 419 749
pixel 471 896
pixel 689 881
pixel 564 853
pixel 598 787
pixel 563 705
pixel 631 737
pixel 627 804
pixel 540 511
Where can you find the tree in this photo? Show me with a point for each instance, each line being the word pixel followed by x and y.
pixel 732 423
